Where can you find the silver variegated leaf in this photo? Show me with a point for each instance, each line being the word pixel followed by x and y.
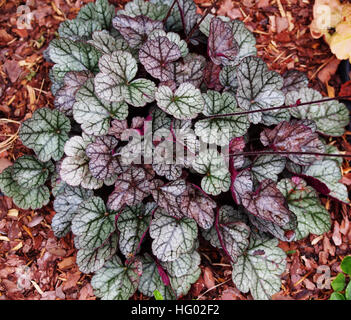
pixel 259 270
pixel 66 205
pixel 245 40
pixel 94 114
pixel 231 233
pixel 285 233
pixel 330 117
pixel 220 130
pixel 93 224
pixel 328 171
pixel 258 88
pixel 268 167
pixel 101 11
pixel 72 55
pixel 74 169
pixel 171 237
pixel 29 172
pixel 46 133
pixel 32 198
pixel 182 285
pixel 106 43
pixel 114 82
pixel 91 260
pixel 135 30
pixel 191 70
pixel 186 264
pixel 185 103
pixel 213 165
pixel 78 29
pixel 303 201
pixel 242 183
pixel 115 281
pixel 187 9
pixel 228 78
pixel 145 8
pixel 132 224
pixel 205 24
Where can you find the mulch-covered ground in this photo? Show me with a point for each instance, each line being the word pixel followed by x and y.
pixel 36 265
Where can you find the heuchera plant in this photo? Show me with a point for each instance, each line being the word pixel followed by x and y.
pixel 168 128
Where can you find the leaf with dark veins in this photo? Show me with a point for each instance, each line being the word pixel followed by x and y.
pixel 268 203
pixel 103 164
pixel 258 87
pixel 294 80
pixel 295 136
pixel 241 184
pixel 171 236
pixel 312 216
pixel 66 205
pixel 91 260
pixel 135 30
pixel 157 54
pixel 222 47
pixel 259 270
pixel 116 281
pixel 132 224
pixel 131 187
pixel 65 96
pixel 93 224
pixel 211 76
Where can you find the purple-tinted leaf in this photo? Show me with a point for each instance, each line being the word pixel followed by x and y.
pixel 167 195
pixel 163 275
pixel 294 136
pixel 131 188
pixel 65 96
pixel 211 76
pixel 181 199
pixel 241 184
pixel 285 233
pixel 190 70
pixel 230 233
pixel 135 30
pixel 157 54
pixel 198 205
pixel 222 47
pixel 294 80
pixel 103 163
pixel 188 14
pixel 236 145
pixel 268 203
pixel 117 128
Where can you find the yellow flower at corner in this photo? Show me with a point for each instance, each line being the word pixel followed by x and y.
pixel 332 20
pixel 340 41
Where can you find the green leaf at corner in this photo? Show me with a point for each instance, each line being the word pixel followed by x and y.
pixel 348 291
pixel 158 295
pixel 46 133
pixel 338 284
pixel 337 296
pixel 346 265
